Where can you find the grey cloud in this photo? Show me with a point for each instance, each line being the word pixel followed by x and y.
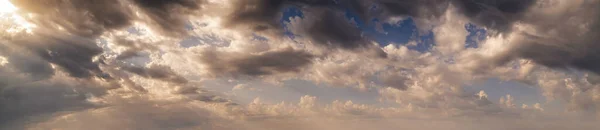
pixel 134 47
pixel 394 80
pixel 200 94
pixel 262 13
pixel 265 14
pixel 593 78
pixel 494 14
pixel 361 7
pixel 164 5
pixel 26 99
pixel 169 16
pixel 325 22
pixel 158 72
pixel 71 53
pixel 413 8
pixel 267 63
pixel 128 54
pixel 329 28
pixel 332 29
pixel 22 101
pixel 568 44
pixel 26 63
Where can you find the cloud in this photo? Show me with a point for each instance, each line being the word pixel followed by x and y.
pixel 305 114
pixel 74 70
pixel 324 23
pixel 260 15
pixel 158 72
pixel 329 28
pixel 498 15
pixel 169 17
pixel 266 63
pixel 555 45
pixel 73 54
pixel 24 98
pixel 26 63
pixel 140 114
pixel 78 17
pixel 414 8
pixel 133 47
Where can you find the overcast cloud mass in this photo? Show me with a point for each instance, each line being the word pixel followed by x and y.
pixel 299 64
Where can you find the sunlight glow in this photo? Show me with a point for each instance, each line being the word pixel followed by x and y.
pixel 6 6
pixel 15 22
pixel 3 61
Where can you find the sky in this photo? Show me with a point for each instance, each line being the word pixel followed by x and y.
pixel 300 64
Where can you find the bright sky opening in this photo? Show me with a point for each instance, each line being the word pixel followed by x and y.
pixel 6 6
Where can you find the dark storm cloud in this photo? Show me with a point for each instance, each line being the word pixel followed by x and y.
pixel 280 61
pixel 363 8
pixel 332 29
pixel 158 72
pixel 413 8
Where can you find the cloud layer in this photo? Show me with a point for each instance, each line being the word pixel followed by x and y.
pixel 156 64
